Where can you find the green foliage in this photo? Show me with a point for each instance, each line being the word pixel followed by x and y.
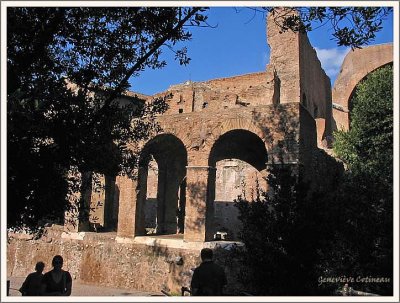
pixel 352 26
pixel 294 237
pixel 362 245
pixel 67 68
pixel 367 194
pixel 282 232
pixel 367 148
pixel 295 233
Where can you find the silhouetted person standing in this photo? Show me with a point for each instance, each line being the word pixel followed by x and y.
pixel 33 282
pixel 209 278
pixel 57 282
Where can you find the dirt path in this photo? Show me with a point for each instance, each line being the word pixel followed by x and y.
pixel 79 289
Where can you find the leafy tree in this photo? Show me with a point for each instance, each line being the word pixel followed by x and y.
pixel 295 233
pixel 367 148
pixel 367 194
pixel 283 231
pixel 352 26
pixel 362 242
pixel 67 69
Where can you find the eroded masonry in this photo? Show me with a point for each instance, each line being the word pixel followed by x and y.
pixel 218 139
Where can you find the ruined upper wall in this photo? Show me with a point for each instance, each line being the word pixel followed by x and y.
pixel 233 92
pixel 294 74
pixel 128 97
pixel 284 59
pixel 316 93
pixel 301 76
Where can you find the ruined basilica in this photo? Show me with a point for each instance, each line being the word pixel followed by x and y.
pixel 218 139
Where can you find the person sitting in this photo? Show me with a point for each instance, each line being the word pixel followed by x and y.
pixel 57 282
pixel 209 278
pixel 33 282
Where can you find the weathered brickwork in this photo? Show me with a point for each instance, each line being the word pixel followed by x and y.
pixel 103 259
pixel 214 95
pixel 186 182
pixel 280 115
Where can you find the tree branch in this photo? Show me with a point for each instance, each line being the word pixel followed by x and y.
pixel 143 59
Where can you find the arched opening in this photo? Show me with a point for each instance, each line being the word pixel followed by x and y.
pixel 104 203
pixel 350 102
pixel 239 157
pixel 162 187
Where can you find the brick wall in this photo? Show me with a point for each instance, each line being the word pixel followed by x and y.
pixel 102 259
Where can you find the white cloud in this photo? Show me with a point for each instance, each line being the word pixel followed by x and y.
pixel 331 60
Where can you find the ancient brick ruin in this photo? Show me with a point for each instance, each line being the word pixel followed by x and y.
pixel 219 138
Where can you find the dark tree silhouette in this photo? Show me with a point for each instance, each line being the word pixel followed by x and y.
pixel 67 68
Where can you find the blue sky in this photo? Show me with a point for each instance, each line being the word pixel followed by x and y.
pixel 238 46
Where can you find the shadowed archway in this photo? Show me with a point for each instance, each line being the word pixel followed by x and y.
pixel 160 205
pixel 239 157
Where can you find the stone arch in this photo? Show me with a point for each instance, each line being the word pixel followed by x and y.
pixel 170 155
pixel 241 144
pixel 349 105
pixel 240 158
pixel 356 66
pixel 177 128
pixel 258 128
